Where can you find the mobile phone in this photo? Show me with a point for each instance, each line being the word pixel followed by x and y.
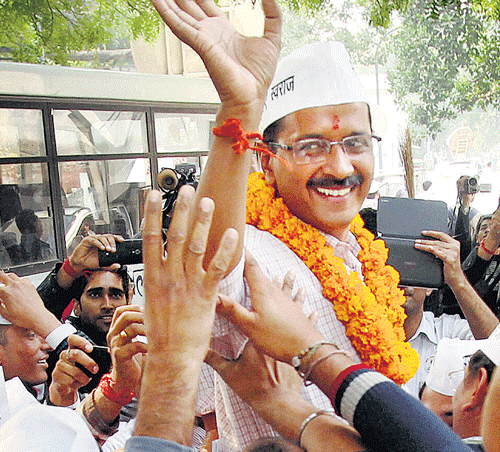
pixel 99 354
pixel 127 252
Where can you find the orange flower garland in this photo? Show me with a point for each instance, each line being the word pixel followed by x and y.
pixel 371 311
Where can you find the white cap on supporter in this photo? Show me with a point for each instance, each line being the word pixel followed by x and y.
pixel 45 428
pixel 315 75
pixel 452 357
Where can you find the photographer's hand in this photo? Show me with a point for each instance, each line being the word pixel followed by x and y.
pixel 86 256
pixel 481 319
pixel 67 378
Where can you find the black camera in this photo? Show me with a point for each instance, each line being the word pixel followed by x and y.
pixel 469 185
pixel 170 180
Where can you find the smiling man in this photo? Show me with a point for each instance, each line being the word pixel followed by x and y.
pixel 24 354
pixel 299 212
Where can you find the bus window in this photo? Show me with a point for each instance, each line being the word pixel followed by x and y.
pixel 99 132
pixel 21 133
pixel 182 132
pixel 103 196
pixel 27 228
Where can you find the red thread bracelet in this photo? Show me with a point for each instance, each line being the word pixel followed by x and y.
pixel 66 266
pixel 106 386
pixel 483 246
pixel 231 128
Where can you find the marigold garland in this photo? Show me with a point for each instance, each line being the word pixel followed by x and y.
pixel 371 311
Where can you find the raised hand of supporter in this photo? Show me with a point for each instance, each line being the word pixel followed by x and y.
pixel 127 353
pixel 447 249
pixel 276 325
pixel 85 256
pixel 22 306
pixel 179 312
pixel 240 67
pixel 67 378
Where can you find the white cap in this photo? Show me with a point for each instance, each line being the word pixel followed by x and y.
pixel 315 75
pixel 4 321
pixel 45 428
pixel 452 357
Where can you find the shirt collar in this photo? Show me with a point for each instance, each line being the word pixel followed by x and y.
pixel 348 251
pixel 427 327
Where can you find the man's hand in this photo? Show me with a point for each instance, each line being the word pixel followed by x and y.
pixel 276 325
pixel 126 353
pixel 180 295
pixel 447 249
pixel 179 313
pixel 85 256
pixel 67 378
pixel 22 306
pixel 240 67
pixel 263 383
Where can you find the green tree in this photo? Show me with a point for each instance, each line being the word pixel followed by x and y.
pixel 48 31
pixel 442 67
pixel 381 11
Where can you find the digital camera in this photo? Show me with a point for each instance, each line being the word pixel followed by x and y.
pixel 469 185
pixel 170 180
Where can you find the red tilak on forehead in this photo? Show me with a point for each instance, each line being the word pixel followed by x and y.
pixel 336 122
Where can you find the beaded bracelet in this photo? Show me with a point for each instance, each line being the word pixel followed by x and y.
pixel 106 387
pixel 308 372
pixel 483 246
pixel 309 419
pixel 306 355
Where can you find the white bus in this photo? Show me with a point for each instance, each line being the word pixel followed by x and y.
pixel 79 148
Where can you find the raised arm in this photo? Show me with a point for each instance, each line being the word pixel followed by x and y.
pixel 241 69
pixel 481 319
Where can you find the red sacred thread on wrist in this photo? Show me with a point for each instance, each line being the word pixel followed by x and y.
pixel 106 387
pixel 231 128
pixel 483 246
pixel 66 266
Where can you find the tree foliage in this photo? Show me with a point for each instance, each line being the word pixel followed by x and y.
pixel 444 66
pixel 381 11
pixel 48 31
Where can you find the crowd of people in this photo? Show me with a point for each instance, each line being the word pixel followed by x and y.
pixel 271 320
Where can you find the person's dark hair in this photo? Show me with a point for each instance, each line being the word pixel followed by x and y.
pixel 26 221
pixel 421 390
pixel 369 216
pixel 480 222
pixel 479 360
pixel 79 284
pixel 270 445
pixel 272 131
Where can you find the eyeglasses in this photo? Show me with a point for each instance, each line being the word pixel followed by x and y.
pixel 315 150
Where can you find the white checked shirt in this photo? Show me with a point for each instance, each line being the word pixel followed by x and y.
pixel 238 425
pixel 425 341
